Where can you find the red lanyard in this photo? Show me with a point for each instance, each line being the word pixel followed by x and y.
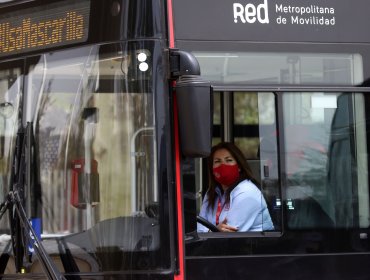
pixel 218 212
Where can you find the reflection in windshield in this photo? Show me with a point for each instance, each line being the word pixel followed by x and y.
pixel 92 111
pixel 10 86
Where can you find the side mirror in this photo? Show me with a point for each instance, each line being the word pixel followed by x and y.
pixel 194 102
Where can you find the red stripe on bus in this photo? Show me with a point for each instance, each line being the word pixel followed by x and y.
pixel 171 33
pixel 180 227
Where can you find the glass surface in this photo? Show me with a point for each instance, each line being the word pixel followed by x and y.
pixel 11 81
pixel 326 160
pixel 256 112
pixel 323 154
pixel 257 109
pixel 281 68
pixel 93 117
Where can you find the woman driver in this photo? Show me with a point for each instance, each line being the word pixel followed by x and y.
pixel 233 201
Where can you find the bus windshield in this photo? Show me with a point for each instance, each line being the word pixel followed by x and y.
pixel 93 120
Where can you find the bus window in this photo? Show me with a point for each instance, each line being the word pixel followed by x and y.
pixel 326 164
pixel 321 170
pixel 255 132
pixel 249 120
pixel 281 68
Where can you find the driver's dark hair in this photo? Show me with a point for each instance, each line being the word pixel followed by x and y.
pixel 245 171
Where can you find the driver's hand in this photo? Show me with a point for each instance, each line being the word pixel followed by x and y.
pixel 224 227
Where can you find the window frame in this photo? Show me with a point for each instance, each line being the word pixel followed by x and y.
pixel 279 92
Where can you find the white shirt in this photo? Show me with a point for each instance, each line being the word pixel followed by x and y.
pixel 247 209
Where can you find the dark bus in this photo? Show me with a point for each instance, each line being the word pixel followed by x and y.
pixel 109 110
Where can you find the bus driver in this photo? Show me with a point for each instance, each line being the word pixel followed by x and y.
pixel 233 202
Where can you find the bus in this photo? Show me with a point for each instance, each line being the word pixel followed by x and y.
pixel 109 110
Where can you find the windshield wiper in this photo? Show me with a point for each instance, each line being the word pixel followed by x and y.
pixel 47 263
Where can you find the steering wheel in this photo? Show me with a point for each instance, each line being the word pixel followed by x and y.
pixel 207 224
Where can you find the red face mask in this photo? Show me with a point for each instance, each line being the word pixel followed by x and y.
pixel 226 175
